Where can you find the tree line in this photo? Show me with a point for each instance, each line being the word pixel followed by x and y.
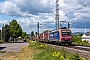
pixel 12 30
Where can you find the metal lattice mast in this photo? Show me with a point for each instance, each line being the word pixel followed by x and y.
pixel 57 14
pixel 38 29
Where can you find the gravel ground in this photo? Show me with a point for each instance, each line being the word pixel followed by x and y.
pixel 11 47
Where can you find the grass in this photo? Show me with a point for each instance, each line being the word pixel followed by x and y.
pixel 1 52
pixel 37 51
pixel 52 54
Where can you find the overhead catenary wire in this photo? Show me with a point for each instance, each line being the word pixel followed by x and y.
pixel 81 13
pixel 77 9
pixel 68 13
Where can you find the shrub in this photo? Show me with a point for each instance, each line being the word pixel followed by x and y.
pixel 77 40
pixel 74 57
pixel 32 43
pixel 2 41
pixel 84 43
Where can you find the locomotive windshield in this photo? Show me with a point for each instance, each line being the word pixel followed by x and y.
pixel 66 32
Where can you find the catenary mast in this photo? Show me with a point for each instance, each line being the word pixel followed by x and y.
pixel 57 14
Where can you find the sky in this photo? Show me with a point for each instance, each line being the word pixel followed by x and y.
pixel 29 12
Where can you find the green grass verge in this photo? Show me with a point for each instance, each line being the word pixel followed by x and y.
pixel 48 53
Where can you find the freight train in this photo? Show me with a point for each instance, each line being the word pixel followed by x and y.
pixel 61 36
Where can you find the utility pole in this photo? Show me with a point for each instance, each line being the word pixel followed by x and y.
pixel 68 25
pixel 57 14
pixel 29 33
pixel 38 29
pixel 1 34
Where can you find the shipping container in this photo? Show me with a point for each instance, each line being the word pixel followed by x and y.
pixel 35 37
pixel 41 37
pixel 46 36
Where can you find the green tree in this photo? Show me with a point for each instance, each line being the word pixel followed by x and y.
pixel 32 34
pixel 3 32
pixel 7 33
pixel 45 31
pixel 24 35
pixel 15 29
pixel 77 39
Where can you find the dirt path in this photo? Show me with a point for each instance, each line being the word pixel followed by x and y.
pixel 11 47
pixel 26 53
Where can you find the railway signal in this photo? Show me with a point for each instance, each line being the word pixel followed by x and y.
pixel 62 22
pixel 70 24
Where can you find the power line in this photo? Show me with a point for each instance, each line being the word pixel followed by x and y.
pixel 78 9
pixel 81 13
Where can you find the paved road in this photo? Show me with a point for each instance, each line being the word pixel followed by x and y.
pixel 12 47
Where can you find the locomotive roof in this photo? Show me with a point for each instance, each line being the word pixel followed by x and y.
pixel 55 30
pixel 58 30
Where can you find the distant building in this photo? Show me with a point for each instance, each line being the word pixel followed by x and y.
pixel 86 37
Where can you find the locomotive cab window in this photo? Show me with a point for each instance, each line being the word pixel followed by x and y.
pixel 66 32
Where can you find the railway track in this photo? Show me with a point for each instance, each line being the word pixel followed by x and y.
pixel 80 48
pixel 83 51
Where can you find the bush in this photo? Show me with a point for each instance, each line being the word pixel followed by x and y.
pixel 84 43
pixel 33 43
pixel 77 40
pixel 74 57
pixel 2 41
pixel 37 45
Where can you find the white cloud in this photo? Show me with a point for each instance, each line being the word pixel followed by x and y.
pixel 42 18
pixel 41 11
pixel 44 2
pixel 80 29
pixel 25 7
pixel 9 8
pixel 3 22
